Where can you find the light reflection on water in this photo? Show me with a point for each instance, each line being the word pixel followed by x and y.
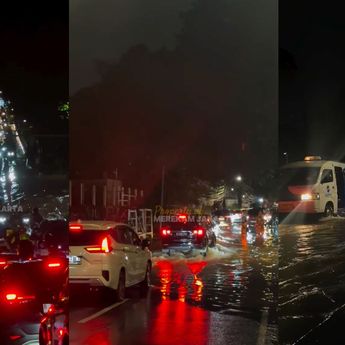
pixel 312 279
pixel 239 277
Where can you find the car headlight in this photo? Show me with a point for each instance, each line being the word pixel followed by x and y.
pixel 309 196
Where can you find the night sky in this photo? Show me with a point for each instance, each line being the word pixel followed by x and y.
pixel 106 31
pixel 312 79
pixel 191 85
pixel 34 58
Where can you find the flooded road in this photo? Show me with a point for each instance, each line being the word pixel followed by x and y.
pixel 312 283
pixel 228 297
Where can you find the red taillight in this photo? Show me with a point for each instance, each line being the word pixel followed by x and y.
pixel 11 297
pixel 199 231
pixel 3 264
pixel 15 337
pixel 105 245
pixel 54 264
pixel 75 227
pixel 165 232
pixel 104 248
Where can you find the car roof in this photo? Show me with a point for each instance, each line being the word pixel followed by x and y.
pixel 97 224
pixel 304 164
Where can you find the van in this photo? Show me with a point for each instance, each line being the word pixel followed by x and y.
pixel 312 186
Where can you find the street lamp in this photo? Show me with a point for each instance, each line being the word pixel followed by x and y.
pixel 286 156
pixel 239 178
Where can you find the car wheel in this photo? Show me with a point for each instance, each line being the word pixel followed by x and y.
pixel 121 287
pixel 145 284
pixel 329 210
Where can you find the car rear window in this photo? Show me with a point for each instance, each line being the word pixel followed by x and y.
pixel 87 237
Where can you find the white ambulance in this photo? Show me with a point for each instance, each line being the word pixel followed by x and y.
pixel 312 186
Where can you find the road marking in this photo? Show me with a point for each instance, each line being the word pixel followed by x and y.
pixel 101 312
pixel 262 328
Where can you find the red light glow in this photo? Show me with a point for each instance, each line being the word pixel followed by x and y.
pixel 104 248
pixel 11 296
pixel 75 227
pixel 105 245
pixel 199 231
pixel 15 337
pixel 165 232
pixel 54 264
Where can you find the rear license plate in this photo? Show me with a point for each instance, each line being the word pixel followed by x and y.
pixel 74 260
pixel 181 234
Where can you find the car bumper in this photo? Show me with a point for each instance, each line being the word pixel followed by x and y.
pixel 182 249
pixel 309 207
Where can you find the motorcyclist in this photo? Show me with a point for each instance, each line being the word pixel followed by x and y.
pixel 11 239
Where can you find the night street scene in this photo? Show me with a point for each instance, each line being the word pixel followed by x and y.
pixel 34 201
pixel 311 123
pixel 174 149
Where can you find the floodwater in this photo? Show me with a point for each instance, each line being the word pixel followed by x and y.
pixel 312 283
pixel 228 297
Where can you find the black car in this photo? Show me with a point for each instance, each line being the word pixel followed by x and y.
pixel 25 286
pixel 187 236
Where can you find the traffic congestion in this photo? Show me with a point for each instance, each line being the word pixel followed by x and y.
pixel 172 173
pixel 232 268
pixel 196 268
pixel 33 248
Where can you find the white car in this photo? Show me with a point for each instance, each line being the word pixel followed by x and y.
pixel 108 254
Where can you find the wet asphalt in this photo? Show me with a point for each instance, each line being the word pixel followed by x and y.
pixel 312 282
pixel 228 297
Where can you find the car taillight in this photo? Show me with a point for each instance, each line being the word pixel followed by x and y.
pixel 199 231
pixel 105 245
pixel 165 232
pixel 15 337
pixel 11 297
pixel 75 227
pixel 54 264
pixel 103 248
pixel 3 264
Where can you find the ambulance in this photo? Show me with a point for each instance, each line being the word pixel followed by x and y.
pixel 312 186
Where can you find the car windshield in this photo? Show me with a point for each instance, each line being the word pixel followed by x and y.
pixel 299 176
pixel 87 237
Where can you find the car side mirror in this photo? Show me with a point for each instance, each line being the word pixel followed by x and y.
pixel 145 243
